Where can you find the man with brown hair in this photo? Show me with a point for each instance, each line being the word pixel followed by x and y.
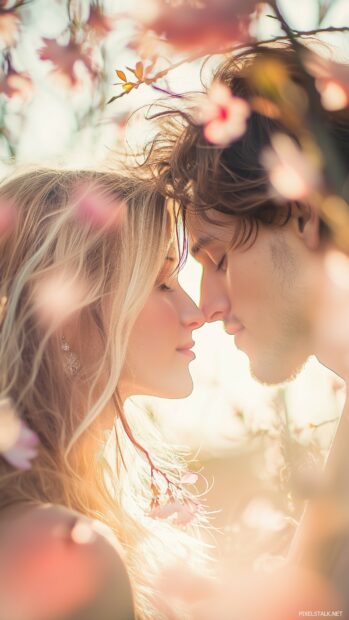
pixel 263 255
pixel 259 252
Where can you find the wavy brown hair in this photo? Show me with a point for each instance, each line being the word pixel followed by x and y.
pixel 200 176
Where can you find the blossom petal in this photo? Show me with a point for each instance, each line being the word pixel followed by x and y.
pixel 24 449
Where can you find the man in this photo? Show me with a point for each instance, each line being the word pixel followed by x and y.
pixel 265 263
pixel 259 254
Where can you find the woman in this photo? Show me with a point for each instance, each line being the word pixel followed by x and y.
pixel 92 313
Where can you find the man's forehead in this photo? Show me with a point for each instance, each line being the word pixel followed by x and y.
pixel 203 234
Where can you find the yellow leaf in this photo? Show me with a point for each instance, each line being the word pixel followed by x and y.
pixel 139 70
pixel 128 86
pixel 121 75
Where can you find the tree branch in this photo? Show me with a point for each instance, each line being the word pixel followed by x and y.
pixel 232 48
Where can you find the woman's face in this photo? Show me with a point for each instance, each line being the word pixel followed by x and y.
pixel 159 351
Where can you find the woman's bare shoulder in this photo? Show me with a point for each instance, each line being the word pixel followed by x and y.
pixel 52 556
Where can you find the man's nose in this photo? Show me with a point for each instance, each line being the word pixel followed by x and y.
pixel 214 302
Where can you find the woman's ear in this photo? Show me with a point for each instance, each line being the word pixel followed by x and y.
pixel 307 223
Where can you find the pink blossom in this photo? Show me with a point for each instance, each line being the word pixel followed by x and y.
pixel 99 23
pixel 65 57
pixel 331 80
pixel 92 206
pixel 181 512
pixel 224 116
pixel 207 24
pixel 58 296
pixel 15 84
pixel 23 450
pixel 149 47
pixel 189 477
pixel 292 173
pixel 8 215
pixel 9 25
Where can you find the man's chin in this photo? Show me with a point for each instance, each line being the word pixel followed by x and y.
pixel 273 374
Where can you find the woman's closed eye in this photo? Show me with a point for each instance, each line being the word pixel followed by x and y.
pixel 164 287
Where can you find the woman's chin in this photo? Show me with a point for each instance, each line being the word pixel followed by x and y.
pixel 181 388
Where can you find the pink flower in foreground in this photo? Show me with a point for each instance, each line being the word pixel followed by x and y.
pixel 208 24
pixel 15 84
pixel 58 296
pixel 331 80
pixel 180 512
pixel 291 172
pixel 224 116
pixel 93 207
pixel 24 449
pixel 65 57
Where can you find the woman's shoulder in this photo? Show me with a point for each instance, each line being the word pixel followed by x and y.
pixel 55 522
pixel 57 561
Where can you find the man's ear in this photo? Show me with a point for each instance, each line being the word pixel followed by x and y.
pixel 307 225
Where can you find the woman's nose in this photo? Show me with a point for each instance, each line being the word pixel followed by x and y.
pixel 192 315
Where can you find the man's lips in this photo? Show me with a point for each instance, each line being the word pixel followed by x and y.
pixel 233 328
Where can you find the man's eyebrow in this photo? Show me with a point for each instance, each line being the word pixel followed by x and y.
pixel 201 243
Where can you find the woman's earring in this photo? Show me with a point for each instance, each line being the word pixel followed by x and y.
pixel 72 362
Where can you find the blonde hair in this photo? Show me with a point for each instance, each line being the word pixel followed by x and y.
pixel 120 264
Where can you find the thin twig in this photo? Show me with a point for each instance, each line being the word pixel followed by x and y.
pixel 149 81
pixel 232 48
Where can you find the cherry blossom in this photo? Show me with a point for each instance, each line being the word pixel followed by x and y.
pixel 15 84
pixel 180 512
pixel 149 47
pixel 24 448
pixel 99 23
pixel 331 80
pixel 208 24
pixel 9 25
pixel 292 173
pixel 65 57
pixel 83 532
pixel 223 115
pixel 8 216
pixel 94 208
pixel 189 477
pixel 58 296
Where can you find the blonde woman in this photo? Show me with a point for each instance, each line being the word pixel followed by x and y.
pixel 91 313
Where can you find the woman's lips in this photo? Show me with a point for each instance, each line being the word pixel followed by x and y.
pixel 186 350
pixel 188 353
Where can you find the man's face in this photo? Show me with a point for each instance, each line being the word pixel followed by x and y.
pixel 261 292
